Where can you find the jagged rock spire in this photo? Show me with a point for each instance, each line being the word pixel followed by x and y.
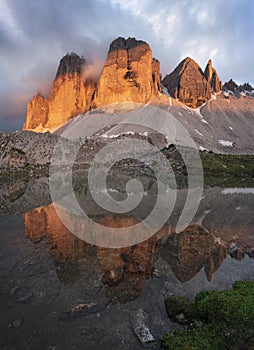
pixel 212 77
pixel 70 63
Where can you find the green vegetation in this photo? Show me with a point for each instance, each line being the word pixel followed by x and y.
pixel 177 305
pixel 216 320
pixel 219 169
pixel 227 170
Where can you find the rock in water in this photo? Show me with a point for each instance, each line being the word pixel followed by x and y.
pixel 140 328
pixel 16 323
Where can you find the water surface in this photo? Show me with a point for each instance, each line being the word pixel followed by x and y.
pixel 47 273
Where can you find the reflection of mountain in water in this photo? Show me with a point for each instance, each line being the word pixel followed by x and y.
pixel 124 270
pixel 191 250
pixel 223 225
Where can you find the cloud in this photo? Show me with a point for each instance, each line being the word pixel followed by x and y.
pixel 34 36
pixel 13 111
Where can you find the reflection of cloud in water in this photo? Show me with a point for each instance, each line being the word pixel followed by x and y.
pixel 230 271
pixel 238 190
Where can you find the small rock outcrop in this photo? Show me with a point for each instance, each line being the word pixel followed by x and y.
pixel 190 84
pixel 71 93
pixel 129 74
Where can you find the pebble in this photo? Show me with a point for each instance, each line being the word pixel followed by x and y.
pixel 16 323
pixel 181 318
pixel 156 273
pixel 24 299
pixel 13 290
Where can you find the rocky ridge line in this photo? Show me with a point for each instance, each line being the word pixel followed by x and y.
pixel 129 74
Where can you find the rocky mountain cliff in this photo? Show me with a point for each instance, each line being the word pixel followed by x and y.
pixel 71 93
pixel 190 84
pixel 129 74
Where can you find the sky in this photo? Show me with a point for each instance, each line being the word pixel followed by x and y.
pixel 36 34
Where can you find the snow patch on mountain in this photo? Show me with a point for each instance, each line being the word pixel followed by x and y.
pixel 226 143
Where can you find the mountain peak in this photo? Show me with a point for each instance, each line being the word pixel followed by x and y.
pixel 71 63
pixel 188 83
pixel 188 60
pixel 129 74
pixel 209 70
pixel 212 77
pixel 246 87
pixel 125 44
pixel 230 85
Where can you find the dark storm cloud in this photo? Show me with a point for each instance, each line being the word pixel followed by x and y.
pixel 34 35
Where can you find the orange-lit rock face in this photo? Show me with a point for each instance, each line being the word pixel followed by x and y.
pixel 126 267
pixel 37 113
pixel 70 95
pixel 212 78
pixel 139 259
pixel 44 222
pixel 130 74
pixel 190 85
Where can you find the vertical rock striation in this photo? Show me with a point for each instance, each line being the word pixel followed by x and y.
pixel 129 74
pixel 71 93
